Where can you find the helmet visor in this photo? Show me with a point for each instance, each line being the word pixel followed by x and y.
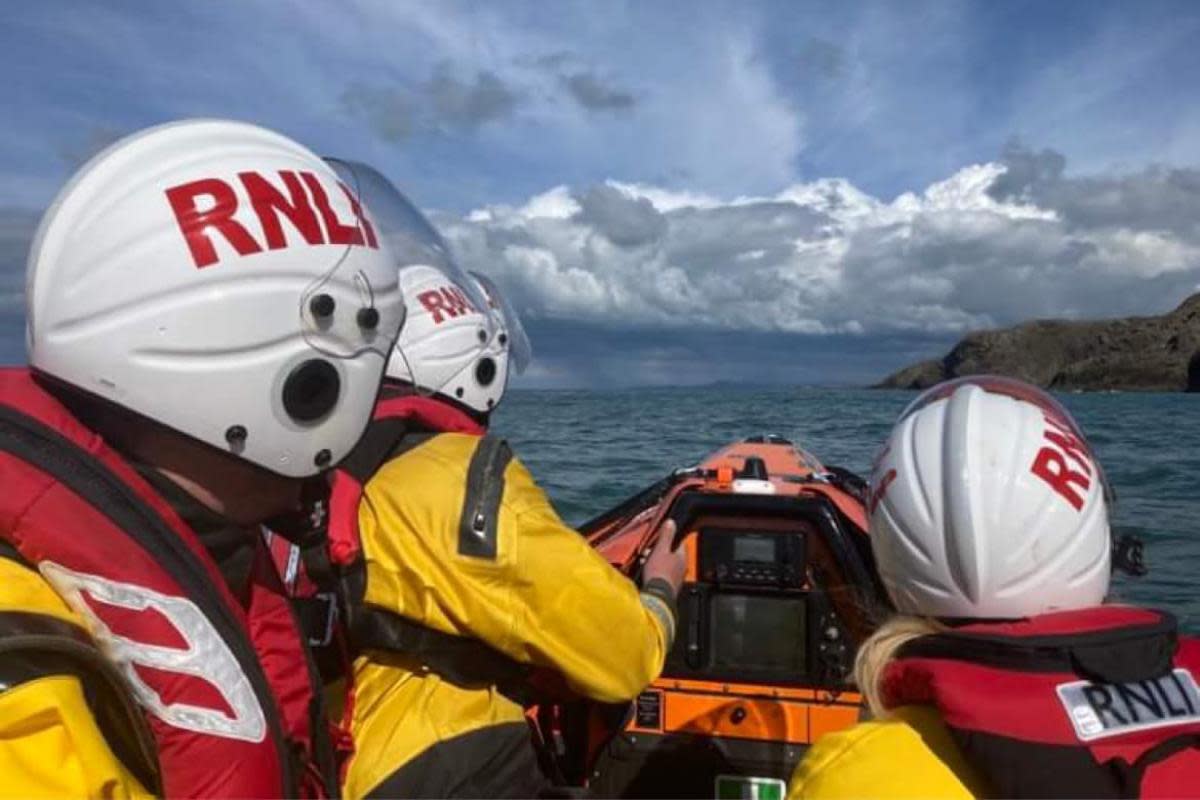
pixel 357 306
pixel 1055 411
pixel 520 351
pixel 414 245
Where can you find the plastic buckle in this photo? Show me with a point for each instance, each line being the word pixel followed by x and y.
pixel 330 615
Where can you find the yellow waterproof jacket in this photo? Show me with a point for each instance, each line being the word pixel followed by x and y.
pixel 909 755
pixel 540 595
pixel 50 743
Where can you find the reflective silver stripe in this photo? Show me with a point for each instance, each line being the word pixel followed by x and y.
pixel 662 612
pixel 293 566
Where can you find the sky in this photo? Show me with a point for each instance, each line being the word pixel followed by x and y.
pixel 685 192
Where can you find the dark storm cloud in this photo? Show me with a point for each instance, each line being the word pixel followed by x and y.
pixel 595 94
pixel 581 354
pixel 623 220
pixel 1025 169
pixel 446 101
pixel 992 244
pixel 1156 198
pixel 467 104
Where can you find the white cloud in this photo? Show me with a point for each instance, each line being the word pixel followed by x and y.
pixel 554 204
pixel 825 257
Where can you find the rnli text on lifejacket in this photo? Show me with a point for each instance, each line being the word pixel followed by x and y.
pixel 1109 709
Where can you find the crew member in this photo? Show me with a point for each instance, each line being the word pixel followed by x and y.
pixel 1005 674
pixel 210 308
pixel 470 598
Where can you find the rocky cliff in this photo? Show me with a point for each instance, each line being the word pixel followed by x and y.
pixel 1135 353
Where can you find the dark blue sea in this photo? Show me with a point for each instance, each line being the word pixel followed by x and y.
pixel 591 449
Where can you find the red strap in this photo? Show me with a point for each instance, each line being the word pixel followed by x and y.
pixel 280 647
pixel 434 414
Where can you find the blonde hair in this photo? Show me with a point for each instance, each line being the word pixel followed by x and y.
pixel 880 648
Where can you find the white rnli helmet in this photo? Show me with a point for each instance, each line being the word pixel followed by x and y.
pixel 987 503
pixel 224 281
pixel 459 343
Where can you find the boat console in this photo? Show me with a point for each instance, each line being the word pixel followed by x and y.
pixel 779 589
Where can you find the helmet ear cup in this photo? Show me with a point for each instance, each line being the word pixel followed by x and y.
pixel 311 390
pixel 485 371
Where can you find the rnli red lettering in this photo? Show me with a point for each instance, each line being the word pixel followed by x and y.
pixel 269 203
pixel 196 224
pixel 435 304
pixel 447 301
pixel 356 208
pixel 339 232
pixel 1070 445
pixel 1051 466
pixel 458 302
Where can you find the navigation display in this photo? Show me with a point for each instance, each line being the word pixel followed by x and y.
pixel 758 549
pixel 758 633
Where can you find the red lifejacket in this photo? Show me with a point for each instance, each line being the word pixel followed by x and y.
pixel 1101 702
pixel 225 686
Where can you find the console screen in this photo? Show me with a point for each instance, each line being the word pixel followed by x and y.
pixel 759 632
pixel 758 549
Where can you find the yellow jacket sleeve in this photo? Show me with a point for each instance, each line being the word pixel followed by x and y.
pixel 546 598
pixel 910 755
pixel 572 611
pixel 50 744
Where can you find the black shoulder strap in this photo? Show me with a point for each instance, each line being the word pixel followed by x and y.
pixel 461 660
pixel 1121 655
pixel 384 440
pixel 36 646
pixel 1130 776
pixel 481 506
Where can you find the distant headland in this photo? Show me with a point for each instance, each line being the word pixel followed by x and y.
pixel 1153 354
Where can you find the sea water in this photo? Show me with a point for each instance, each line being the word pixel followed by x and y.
pixel 592 449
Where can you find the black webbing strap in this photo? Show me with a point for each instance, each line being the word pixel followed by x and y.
pixel 1130 776
pixel 384 440
pixel 461 660
pixel 477 528
pixel 341 591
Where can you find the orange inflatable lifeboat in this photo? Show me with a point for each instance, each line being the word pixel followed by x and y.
pixel 780 588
